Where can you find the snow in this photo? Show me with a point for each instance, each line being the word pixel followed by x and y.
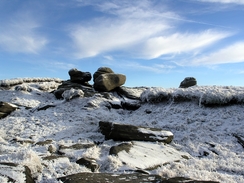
pixel 205 134
pixel 149 155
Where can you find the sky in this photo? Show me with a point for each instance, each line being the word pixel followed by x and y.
pixel 154 43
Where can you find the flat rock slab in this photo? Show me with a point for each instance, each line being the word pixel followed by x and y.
pixel 116 178
pixel 148 155
pixel 122 132
pixel 109 178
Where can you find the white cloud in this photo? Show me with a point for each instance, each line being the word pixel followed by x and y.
pixel 225 1
pixel 141 29
pixel 231 54
pixel 178 43
pixel 19 35
pixel 126 24
pixel 109 34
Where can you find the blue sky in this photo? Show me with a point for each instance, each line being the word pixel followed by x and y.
pixel 152 42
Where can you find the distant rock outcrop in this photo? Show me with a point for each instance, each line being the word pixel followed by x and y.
pixel 188 82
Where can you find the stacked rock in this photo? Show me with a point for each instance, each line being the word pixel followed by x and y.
pixel 80 77
pixel 106 80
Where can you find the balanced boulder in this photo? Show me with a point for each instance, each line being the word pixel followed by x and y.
pixel 108 82
pixel 188 82
pixel 80 77
pixel 101 70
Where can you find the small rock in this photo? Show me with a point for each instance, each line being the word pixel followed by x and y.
pixel 52 148
pixel 188 82
pixel 88 163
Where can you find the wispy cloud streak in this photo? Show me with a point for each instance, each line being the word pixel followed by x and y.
pixel 231 54
pixel 20 35
pixel 225 1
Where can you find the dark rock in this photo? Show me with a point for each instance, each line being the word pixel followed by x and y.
pixel 53 158
pixel 13 171
pixel 108 82
pixel 114 105
pixel 67 85
pixel 101 70
pixel 130 178
pixel 114 150
pixel 64 149
pixel 130 105
pixel 121 132
pixel 188 82
pixel 80 77
pixel 42 143
pixel 23 88
pixel 88 163
pixel 131 92
pixel 240 139
pixel 77 146
pixel 148 111
pixel 45 107
pixel 6 109
pixel 109 177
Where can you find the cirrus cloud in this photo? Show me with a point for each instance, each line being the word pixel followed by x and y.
pixel 19 35
pixel 225 1
pixel 230 54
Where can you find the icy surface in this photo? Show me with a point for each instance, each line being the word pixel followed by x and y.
pixel 204 133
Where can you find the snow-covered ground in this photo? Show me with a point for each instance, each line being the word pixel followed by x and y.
pixel 205 134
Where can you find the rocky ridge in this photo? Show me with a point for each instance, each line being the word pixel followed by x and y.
pixel 114 134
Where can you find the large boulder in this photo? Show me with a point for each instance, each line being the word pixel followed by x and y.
pixel 80 77
pixel 101 70
pixel 122 132
pixel 108 82
pixel 188 82
pixel 6 109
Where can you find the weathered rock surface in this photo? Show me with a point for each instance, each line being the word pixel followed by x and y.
pixel 108 82
pixel 67 85
pixel 88 163
pixel 188 82
pixel 12 173
pixel 132 178
pixel 146 155
pixel 6 109
pixel 121 132
pixel 80 77
pixel 131 92
pixel 101 70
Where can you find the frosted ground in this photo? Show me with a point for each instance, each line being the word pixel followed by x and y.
pixel 205 134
